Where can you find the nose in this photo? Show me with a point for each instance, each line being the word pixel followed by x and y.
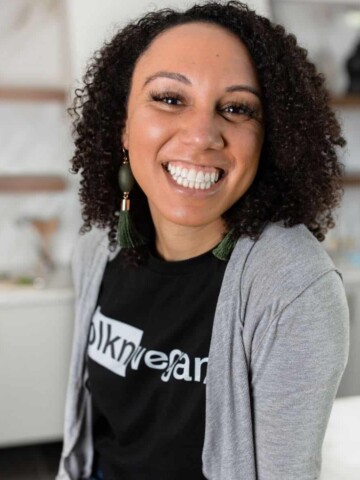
pixel 201 130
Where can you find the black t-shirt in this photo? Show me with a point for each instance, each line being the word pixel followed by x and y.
pixel 147 358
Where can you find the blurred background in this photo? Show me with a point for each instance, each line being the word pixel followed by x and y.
pixel 44 48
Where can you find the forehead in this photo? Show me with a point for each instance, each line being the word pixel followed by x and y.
pixel 202 46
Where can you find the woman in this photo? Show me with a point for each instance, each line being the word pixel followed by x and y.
pixel 211 343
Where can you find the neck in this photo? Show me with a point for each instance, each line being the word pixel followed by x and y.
pixel 178 242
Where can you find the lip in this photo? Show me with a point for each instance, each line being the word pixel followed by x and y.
pixel 193 192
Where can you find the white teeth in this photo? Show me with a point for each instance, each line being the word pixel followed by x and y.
pixel 199 177
pixel 191 175
pixel 191 178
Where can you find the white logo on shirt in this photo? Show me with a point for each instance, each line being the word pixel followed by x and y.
pixel 116 345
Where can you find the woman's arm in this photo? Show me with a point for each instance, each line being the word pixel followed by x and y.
pixel 295 374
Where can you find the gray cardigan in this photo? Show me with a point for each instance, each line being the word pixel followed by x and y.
pixel 279 346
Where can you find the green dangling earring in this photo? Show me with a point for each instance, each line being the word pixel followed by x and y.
pixel 127 235
pixel 224 249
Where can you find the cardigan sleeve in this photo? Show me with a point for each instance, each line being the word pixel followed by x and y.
pixel 82 257
pixel 295 373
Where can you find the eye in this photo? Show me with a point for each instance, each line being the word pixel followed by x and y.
pixel 169 98
pixel 240 109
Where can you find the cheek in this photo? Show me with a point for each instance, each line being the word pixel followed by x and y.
pixel 248 145
pixel 146 135
pixel 246 160
pixel 147 131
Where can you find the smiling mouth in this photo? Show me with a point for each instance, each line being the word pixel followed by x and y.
pixel 195 177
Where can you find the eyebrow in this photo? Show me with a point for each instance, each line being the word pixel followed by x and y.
pixel 243 88
pixel 181 78
pixel 174 76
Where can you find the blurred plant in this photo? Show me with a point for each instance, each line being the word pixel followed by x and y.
pixel 352 18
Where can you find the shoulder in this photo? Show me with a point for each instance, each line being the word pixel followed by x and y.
pixel 284 261
pixel 86 243
pixel 278 242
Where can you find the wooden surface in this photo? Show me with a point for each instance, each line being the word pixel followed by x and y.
pixel 32 94
pixel 353 179
pixel 348 101
pixel 32 183
pixel 48 183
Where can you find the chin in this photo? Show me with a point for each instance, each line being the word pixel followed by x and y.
pixel 191 220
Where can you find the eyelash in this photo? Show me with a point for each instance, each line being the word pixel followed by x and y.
pixel 244 107
pixel 160 97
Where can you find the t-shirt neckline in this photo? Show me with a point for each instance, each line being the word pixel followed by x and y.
pixel 177 267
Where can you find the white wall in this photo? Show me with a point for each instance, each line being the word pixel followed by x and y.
pixel 91 22
pixel 31 48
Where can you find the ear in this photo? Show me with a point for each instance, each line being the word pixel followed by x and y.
pixel 125 136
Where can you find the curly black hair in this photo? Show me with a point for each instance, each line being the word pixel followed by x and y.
pixel 299 179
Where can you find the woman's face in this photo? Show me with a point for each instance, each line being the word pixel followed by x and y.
pixel 194 124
